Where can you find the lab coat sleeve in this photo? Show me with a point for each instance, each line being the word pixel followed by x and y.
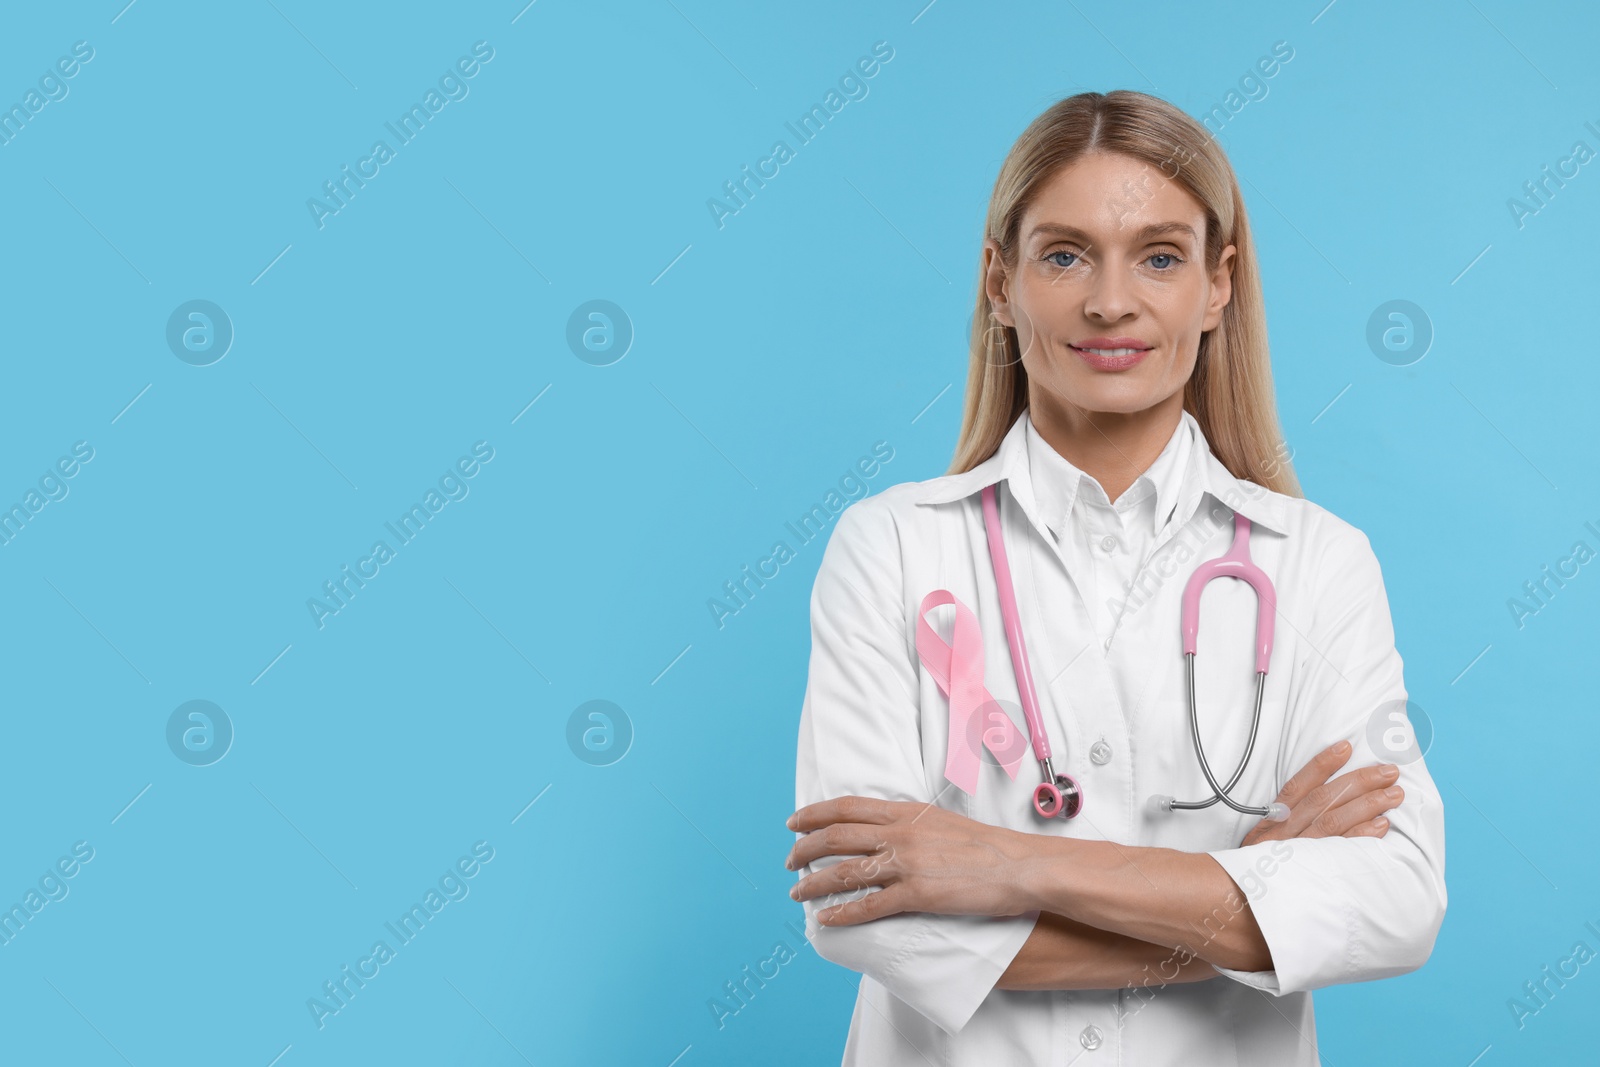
pixel 1342 909
pixel 860 734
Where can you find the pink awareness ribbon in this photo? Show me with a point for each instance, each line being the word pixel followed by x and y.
pixel 958 669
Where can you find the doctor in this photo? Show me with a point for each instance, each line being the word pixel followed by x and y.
pixel 1119 399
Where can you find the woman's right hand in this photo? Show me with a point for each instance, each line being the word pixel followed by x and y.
pixel 1349 806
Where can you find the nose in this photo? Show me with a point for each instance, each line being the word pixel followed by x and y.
pixel 1110 297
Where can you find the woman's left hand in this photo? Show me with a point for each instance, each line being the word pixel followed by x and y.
pixel 925 858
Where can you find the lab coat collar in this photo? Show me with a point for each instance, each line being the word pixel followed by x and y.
pixel 1164 478
pixel 1205 476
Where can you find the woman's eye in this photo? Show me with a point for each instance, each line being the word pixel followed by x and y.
pixel 1167 260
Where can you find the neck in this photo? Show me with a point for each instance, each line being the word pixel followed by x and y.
pixel 1112 447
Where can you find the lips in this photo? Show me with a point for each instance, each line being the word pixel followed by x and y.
pixel 1111 353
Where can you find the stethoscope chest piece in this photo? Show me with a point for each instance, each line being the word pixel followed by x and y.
pixel 1061 800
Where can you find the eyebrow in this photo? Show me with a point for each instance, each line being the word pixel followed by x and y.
pixel 1154 229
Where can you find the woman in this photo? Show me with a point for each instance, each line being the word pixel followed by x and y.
pixel 1119 402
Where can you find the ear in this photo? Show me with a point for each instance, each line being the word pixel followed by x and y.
pixel 1221 289
pixel 996 283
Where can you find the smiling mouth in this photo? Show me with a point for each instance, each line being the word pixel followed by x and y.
pixel 1111 359
pixel 1108 352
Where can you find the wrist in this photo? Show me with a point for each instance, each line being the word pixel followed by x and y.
pixel 1041 872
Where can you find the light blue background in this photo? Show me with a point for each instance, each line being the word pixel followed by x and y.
pixel 768 356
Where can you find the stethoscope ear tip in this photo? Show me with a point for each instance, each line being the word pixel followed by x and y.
pixel 1160 804
pixel 1277 811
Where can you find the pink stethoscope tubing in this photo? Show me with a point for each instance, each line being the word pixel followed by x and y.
pixel 1058 795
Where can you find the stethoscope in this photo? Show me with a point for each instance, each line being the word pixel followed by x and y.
pixel 1059 795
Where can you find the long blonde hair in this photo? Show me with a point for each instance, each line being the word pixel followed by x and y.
pixel 1230 392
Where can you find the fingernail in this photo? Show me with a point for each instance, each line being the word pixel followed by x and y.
pixel 794 892
pixel 1342 748
pixel 790 823
pixel 789 864
pixel 1389 770
pixel 1380 822
pixel 1394 792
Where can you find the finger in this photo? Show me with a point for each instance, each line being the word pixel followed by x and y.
pixel 1312 776
pixel 1314 773
pixel 1333 809
pixel 872 906
pixel 836 839
pixel 1371 828
pixel 1337 819
pixel 842 809
pixel 1366 779
pixel 844 877
pixel 1330 795
pixel 1322 800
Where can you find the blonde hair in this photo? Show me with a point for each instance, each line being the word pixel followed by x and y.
pixel 1230 391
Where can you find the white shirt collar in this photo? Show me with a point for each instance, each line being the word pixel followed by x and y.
pixel 1057 481
pixel 1204 475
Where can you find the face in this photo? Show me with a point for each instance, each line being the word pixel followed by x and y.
pixel 1110 294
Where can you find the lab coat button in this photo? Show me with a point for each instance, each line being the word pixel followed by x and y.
pixel 1108 542
pixel 1100 753
pixel 1090 1037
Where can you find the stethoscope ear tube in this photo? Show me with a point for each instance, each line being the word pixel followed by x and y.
pixel 1235 563
pixel 1222 792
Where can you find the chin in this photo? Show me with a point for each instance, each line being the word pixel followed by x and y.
pixel 1113 397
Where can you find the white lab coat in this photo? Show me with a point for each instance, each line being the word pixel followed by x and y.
pixel 874 723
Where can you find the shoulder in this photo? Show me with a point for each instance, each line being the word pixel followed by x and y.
pixel 877 541
pixel 885 521
pixel 1305 523
pixel 1321 530
pixel 1339 570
